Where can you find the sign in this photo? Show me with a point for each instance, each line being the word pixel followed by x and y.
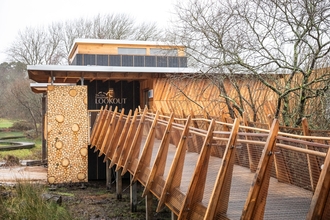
pixel 108 98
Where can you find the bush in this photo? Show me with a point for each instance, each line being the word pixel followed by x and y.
pixel 22 126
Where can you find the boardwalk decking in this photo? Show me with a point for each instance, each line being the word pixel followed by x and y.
pixel 208 169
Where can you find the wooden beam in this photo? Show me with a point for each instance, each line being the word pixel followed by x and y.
pixel 121 140
pixel 196 188
pixel 320 202
pixel 134 149
pixel 218 203
pixel 128 140
pixel 109 133
pixel 252 151
pixel 313 164
pixel 145 158
pixel 103 130
pixel 99 126
pixel 115 137
pixel 256 200
pixel 176 168
pixel 158 167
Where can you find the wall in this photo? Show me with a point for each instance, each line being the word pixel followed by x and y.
pixel 67 134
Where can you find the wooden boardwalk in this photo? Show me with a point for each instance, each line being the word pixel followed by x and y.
pixel 211 169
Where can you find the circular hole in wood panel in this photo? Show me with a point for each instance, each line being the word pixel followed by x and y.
pixel 83 151
pixel 85 100
pixel 73 92
pixel 59 144
pixel 75 127
pixel 81 176
pixel 59 118
pixel 65 162
pixel 51 179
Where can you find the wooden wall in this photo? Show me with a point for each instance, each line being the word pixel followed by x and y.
pixel 67 134
pixel 203 94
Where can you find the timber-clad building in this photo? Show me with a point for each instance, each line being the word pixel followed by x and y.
pixel 116 73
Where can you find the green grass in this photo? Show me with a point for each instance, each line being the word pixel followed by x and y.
pixel 22 154
pixel 5 123
pixel 26 203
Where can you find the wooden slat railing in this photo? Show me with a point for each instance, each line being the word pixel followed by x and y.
pixel 193 164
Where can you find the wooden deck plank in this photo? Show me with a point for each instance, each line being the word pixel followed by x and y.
pixel 294 206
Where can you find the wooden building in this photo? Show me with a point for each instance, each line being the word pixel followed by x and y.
pixel 116 73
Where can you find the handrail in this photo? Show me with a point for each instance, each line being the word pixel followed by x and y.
pixel 129 142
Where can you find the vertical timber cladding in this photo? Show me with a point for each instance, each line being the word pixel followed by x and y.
pixel 67 134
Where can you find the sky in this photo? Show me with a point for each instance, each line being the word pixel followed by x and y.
pixel 16 15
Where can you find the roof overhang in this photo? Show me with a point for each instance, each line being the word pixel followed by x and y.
pixel 73 73
pixel 42 87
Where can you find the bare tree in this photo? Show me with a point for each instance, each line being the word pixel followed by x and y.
pixel 284 44
pixel 51 44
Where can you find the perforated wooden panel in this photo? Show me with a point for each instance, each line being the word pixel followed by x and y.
pixel 67 134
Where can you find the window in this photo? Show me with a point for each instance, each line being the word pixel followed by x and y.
pixel 132 51
pixel 163 52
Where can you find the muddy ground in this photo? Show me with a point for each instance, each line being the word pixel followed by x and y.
pixel 95 201
pixel 88 201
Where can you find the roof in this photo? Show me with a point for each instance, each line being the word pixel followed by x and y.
pixel 79 41
pixel 74 73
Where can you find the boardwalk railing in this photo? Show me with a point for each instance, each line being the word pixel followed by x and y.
pixel 212 169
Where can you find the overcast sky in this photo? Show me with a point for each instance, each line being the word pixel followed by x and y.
pixel 16 15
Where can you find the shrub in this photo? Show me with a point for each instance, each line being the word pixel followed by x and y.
pixel 22 126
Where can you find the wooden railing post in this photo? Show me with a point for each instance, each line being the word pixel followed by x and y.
pixel 146 153
pixel 282 173
pixel 123 135
pixel 128 141
pixel 313 165
pixel 219 199
pixel 320 204
pixel 196 188
pixel 109 129
pixel 134 149
pixel 97 127
pixel 176 168
pixel 252 151
pixel 159 164
pixel 112 144
pixel 256 201
pixel 103 130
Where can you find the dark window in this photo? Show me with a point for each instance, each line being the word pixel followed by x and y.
pixel 78 60
pixel 127 60
pixel 115 60
pixel 150 61
pixel 183 61
pixel 161 61
pixel 138 60
pixel 102 60
pixel 89 59
pixel 173 62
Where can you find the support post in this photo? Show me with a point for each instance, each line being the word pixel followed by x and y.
pixel 44 147
pixel 119 184
pixel 133 194
pixel 256 201
pixel 148 197
pixel 108 175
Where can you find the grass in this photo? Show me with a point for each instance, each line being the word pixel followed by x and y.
pixel 25 202
pixel 22 154
pixel 5 123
